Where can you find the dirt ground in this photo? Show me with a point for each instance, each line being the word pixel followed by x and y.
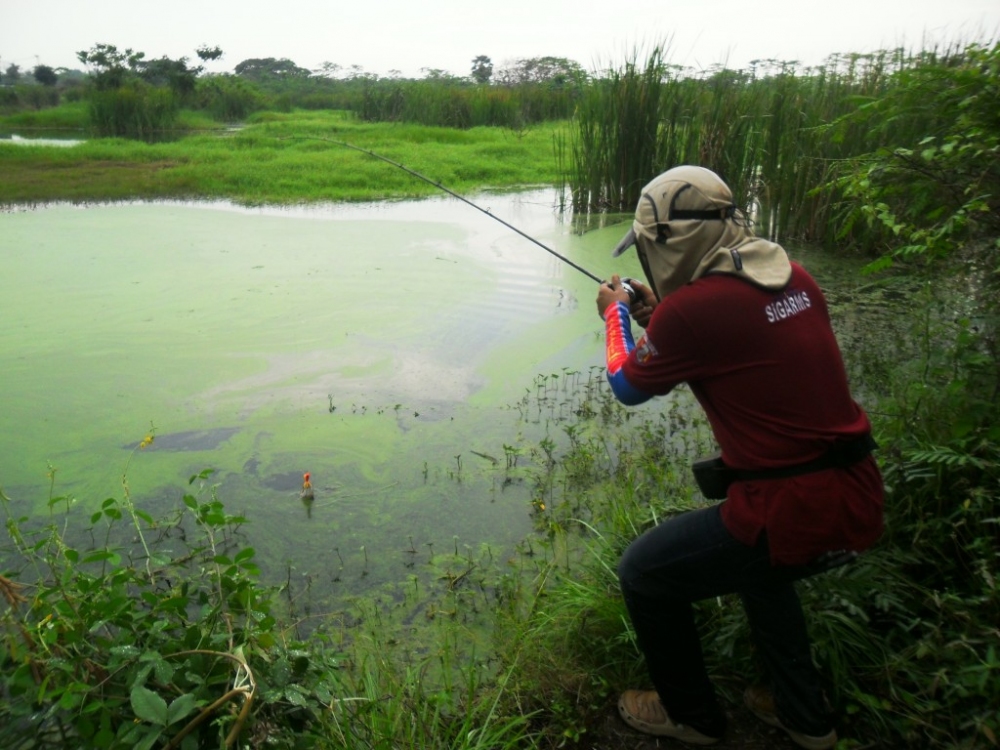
pixel 745 732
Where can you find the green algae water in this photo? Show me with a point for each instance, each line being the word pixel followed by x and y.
pixel 376 346
pixel 379 347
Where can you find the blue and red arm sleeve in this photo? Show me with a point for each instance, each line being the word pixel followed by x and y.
pixel 618 344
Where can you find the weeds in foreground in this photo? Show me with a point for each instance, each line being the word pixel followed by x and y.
pixel 126 631
pixel 177 647
pixel 183 647
pixel 906 637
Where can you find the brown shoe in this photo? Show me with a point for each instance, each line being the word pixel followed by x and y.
pixel 760 700
pixel 642 710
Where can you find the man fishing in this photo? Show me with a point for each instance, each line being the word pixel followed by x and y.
pixel 749 332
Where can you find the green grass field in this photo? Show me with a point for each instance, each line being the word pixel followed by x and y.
pixel 279 158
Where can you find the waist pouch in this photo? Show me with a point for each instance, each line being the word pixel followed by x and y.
pixel 714 477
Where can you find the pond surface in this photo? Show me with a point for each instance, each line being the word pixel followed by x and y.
pixel 375 346
pixel 378 347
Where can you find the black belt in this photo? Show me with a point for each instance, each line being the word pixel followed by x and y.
pixel 839 456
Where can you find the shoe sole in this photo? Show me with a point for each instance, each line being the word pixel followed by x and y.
pixel 677 732
pixel 806 741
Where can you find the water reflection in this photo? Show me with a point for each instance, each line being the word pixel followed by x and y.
pixel 63 137
pixel 49 138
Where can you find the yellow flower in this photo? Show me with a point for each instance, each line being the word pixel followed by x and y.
pixel 145 442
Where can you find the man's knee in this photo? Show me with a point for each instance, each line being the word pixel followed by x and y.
pixel 626 570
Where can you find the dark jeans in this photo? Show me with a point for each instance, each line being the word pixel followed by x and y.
pixel 690 557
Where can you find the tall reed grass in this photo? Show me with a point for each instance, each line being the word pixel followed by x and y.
pixel 229 98
pixel 133 111
pixel 465 106
pixel 776 134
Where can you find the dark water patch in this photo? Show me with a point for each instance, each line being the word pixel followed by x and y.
pixel 189 440
pixel 251 465
pixel 283 482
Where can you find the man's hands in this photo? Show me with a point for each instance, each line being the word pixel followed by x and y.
pixel 610 292
pixel 645 300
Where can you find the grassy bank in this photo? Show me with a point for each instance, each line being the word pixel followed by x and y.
pixel 281 158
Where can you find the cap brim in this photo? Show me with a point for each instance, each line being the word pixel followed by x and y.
pixel 626 242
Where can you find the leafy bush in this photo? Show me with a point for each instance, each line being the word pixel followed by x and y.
pixel 111 644
pixel 8 97
pixel 935 190
pixel 943 468
pixel 125 631
pixel 37 97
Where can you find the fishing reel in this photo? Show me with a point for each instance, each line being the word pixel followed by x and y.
pixel 633 295
pixel 628 288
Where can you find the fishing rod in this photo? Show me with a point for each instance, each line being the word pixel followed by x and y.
pixel 439 186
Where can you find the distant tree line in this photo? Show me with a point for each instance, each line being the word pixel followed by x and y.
pixel 42 75
pixel 131 95
pixel 34 90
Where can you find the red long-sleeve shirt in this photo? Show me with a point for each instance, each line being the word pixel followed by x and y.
pixel 767 370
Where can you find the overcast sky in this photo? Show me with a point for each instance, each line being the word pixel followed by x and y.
pixel 409 35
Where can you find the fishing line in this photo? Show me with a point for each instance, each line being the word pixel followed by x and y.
pixel 452 193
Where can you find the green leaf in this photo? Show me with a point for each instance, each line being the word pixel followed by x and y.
pixel 149 706
pixel 178 603
pixel 148 741
pixel 59 499
pixel 323 693
pixel 113 557
pixel 181 707
pixel 164 671
pixel 126 652
pixel 244 554
pixel 204 474
pixel 73 696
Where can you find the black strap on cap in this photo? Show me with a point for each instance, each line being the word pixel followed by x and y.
pixel 682 214
pixel 662 229
pixel 720 214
